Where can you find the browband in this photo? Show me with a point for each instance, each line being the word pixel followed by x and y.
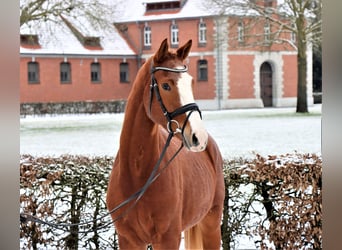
pixel 175 70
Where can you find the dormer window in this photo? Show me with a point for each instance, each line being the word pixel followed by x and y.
pixel 29 39
pixel 91 41
pixel 154 5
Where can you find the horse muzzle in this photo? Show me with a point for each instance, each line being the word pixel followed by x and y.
pixel 195 138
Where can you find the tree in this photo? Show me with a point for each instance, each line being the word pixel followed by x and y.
pixel 99 14
pixel 302 18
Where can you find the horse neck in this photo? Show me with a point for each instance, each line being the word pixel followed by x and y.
pixel 139 136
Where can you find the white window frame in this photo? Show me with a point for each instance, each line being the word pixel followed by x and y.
pixel 124 72
pixel 202 67
pixel 95 72
pixel 65 72
pixel 147 35
pixel 174 34
pixel 202 32
pixel 33 72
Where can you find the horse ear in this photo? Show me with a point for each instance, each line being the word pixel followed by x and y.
pixel 183 51
pixel 162 51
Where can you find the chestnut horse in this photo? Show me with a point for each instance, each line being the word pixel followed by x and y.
pixel 187 195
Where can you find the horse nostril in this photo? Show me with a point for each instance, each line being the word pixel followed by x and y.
pixel 195 141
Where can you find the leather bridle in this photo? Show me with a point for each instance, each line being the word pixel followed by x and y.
pixel 179 111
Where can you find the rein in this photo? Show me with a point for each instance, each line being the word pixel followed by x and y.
pixel 24 217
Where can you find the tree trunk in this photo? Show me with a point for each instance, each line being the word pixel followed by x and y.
pixel 302 104
pixel 226 235
pixel 71 241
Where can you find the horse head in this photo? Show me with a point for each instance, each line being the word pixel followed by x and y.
pixel 169 100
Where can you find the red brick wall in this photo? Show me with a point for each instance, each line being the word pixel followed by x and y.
pixel 50 89
pixel 254 36
pixel 241 76
pixel 203 89
pixel 290 75
pixel 188 29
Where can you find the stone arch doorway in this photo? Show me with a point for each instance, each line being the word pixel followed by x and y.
pixel 266 84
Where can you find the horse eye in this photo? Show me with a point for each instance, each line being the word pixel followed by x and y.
pixel 166 86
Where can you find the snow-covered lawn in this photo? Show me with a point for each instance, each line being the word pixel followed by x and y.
pixel 237 132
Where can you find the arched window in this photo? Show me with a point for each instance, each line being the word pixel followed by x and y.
pixel 202 33
pixel 95 72
pixel 124 72
pixel 65 72
pixel 33 72
pixel 174 35
pixel 147 36
pixel 202 70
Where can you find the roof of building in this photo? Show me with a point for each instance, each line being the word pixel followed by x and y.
pixel 59 39
pixel 189 9
pixel 68 37
pixel 74 35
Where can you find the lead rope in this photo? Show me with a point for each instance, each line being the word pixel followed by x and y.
pixel 24 217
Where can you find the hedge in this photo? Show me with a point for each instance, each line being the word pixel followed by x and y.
pixel 275 200
pixel 81 107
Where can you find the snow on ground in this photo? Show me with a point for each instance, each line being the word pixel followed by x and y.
pixel 239 133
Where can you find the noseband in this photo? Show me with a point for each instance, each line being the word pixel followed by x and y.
pixel 179 111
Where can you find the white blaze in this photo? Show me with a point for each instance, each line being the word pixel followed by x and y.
pixel 186 96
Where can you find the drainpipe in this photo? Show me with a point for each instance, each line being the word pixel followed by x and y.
pixel 219 62
pixel 140 46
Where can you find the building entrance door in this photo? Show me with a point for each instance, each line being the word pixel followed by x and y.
pixel 266 84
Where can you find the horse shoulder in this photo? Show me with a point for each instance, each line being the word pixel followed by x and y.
pixel 214 152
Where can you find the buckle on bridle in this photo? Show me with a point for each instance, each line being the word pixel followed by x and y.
pixel 169 128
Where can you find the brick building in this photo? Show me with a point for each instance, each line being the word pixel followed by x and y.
pixel 102 66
